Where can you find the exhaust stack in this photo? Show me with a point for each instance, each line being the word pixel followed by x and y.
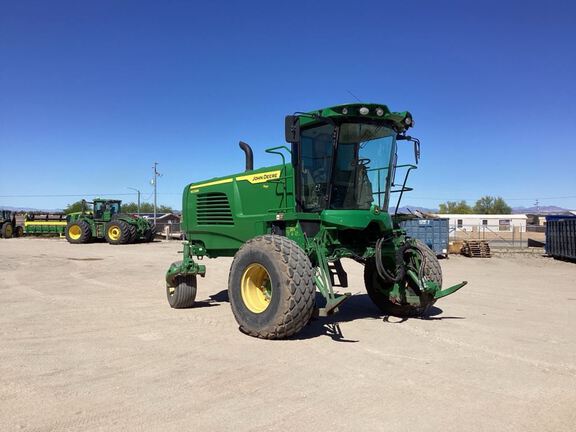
pixel 249 155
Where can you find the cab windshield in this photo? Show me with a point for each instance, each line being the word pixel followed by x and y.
pixel 101 206
pixel 346 167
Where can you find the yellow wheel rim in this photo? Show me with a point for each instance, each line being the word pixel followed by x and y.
pixel 9 230
pixel 114 233
pixel 74 232
pixel 256 288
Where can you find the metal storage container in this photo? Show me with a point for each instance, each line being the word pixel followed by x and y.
pixel 561 236
pixel 433 232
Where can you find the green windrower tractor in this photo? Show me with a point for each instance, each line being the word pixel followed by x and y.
pixel 289 225
pixel 8 227
pixel 105 221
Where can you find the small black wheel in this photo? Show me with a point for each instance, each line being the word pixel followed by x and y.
pixel 378 289
pixel 7 230
pixel 271 287
pixel 78 232
pixel 118 232
pixel 183 294
pixel 19 231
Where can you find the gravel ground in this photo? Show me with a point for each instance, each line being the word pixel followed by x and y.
pixel 89 343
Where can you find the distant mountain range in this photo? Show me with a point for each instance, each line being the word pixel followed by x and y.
pixel 539 210
pixel 410 209
pixel 515 210
pixel 29 209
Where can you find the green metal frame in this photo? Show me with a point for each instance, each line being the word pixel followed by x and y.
pixel 221 214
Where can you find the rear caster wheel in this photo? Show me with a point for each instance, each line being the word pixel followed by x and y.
pixel 183 294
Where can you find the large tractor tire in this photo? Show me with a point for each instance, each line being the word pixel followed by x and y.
pixel 78 232
pixel 19 231
pixel 150 234
pixel 377 287
pixel 271 287
pixel 133 233
pixel 183 294
pixel 118 232
pixel 7 230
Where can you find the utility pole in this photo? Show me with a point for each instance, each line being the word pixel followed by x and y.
pixel 134 189
pixel 154 183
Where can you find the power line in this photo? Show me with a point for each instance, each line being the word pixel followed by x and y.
pixel 63 195
pixel 80 195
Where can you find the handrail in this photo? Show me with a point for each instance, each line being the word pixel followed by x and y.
pixel 402 189
pixel 272 150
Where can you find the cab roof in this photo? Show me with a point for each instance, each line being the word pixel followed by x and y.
pixel 401 121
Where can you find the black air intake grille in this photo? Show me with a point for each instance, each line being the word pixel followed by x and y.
pixel 213 209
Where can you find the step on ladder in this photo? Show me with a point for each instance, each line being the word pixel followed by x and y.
pixel 335 269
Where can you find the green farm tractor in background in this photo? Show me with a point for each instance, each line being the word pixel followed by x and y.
pixel 288 226
pixel 8 227
pixel 105 221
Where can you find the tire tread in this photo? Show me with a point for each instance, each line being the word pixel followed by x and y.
pixel 433 271
pixel 86 235
pixel 126 232
pixel 299 305
pixel 184 294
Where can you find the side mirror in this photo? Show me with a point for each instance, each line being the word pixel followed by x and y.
pixel 292 129
pixel 416 150
pixel 416 142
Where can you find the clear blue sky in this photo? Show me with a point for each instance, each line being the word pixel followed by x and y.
pixel 93 92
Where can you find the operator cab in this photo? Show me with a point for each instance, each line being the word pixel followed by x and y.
pixel 106 209
pixel 345 157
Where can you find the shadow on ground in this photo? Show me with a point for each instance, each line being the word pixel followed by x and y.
pixel 221 297
pixel 358 306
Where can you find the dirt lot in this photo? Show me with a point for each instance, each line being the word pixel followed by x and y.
pixel 88 342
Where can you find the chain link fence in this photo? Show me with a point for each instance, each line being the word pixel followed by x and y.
pixel 507 235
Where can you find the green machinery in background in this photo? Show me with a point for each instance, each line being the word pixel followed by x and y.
pixel 104 221
pixel 45 223
pixel 289 225
pixel 8 227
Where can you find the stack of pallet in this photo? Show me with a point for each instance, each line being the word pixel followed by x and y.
pixel 476 249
